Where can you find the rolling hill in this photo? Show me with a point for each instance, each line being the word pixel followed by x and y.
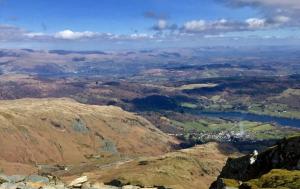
pixel 62 131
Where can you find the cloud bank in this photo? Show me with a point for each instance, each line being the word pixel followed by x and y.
pixel 287 11
pixel 275 14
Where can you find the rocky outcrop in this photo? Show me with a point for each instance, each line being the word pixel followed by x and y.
pixel 285 156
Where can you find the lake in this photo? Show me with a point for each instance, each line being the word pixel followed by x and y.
pixel 240 116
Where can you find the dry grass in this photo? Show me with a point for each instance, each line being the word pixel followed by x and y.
pixel 34 131
pixel 197 167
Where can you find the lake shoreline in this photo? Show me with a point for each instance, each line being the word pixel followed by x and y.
pixel 245 116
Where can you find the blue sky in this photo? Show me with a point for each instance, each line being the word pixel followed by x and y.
pixel 112 24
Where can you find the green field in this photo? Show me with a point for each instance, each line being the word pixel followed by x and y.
pixel 256 130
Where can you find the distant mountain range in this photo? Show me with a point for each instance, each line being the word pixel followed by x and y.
pixel 128 63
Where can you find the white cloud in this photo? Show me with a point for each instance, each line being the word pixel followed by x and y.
pixel 282 19
pixel 11 33
pixel 141 36
pixel 16 34
pixel 88 35
pixel 256 23
pixel 33 35
pixel 70 35
pixel 162 24
pixel 214 36
pixel 212 27
pixel 294 4
pixel 279 13
pixel 203 25
pixel 195 25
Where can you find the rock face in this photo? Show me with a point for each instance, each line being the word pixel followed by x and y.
pixel 282 159
pixel 62 131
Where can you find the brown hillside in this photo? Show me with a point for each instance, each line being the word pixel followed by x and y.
pixel 43 131
pixel 195 167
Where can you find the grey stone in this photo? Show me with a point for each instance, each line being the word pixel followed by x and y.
pixel 16 178
pixel 22 185
pixel 108 146
pixel 37 178
pixel 80 126
pixel 8 185
pixel 3 179
pixel 86 185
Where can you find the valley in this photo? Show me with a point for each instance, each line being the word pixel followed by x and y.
pixel 160 118
pixel 149 94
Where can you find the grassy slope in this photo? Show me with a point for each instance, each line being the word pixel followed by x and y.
pixel 35 131
pixel 191 168
pixel 277 178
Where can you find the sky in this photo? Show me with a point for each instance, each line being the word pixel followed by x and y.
pixel 142 24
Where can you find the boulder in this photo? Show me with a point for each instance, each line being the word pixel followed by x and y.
pixel 16 178
pixel 3 179
pixel 37 179
pixel 8 185
pixel 86 185
pixel 130 187
pixel 77 183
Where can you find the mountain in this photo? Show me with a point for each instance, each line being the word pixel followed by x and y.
pixel 35 132
pixel 277 167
